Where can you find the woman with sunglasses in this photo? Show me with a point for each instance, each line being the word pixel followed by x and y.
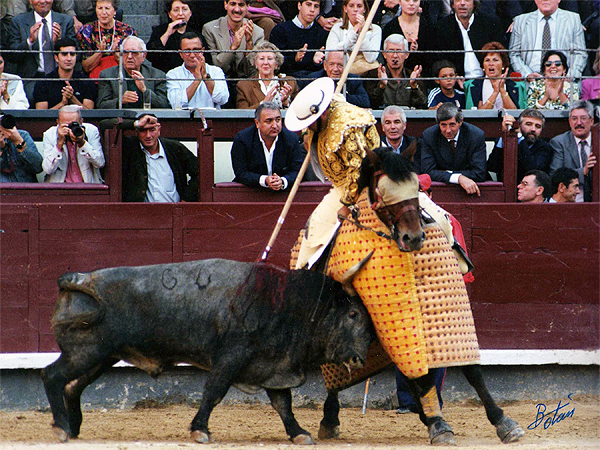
pixel 553 91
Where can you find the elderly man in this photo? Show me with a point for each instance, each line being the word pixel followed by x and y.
pixel 72 149
pixel 565 186
pixel 466 30
pixel 35 33
pixel 393 124
pixel 544 29
pixel 333 67
pixel 388 91
pixel 534 187
pixel 533 151
pixel 266 154
pixel 196 84
pixel 143 83
pixel 454 151
pixel 573 149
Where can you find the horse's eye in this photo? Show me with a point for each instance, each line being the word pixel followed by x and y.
pixel 353 314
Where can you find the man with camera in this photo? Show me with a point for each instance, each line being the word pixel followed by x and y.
pixel 20 160
pixel 72 149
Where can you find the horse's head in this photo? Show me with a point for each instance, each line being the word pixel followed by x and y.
pixel 394 194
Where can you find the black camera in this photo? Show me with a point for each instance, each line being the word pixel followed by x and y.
pixel 7 121
pixel 180 25
pixel 77 129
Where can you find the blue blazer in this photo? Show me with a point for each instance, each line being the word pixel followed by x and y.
pixel 469 159
pixel 248 157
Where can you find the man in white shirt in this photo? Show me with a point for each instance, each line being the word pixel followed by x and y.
pixel 195 84
pixel 573 149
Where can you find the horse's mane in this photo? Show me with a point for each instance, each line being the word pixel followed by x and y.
pixel 395 166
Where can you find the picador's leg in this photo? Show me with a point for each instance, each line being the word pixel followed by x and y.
pixel 330 425
pixel 281 399
pixel 428 403
pixel 507 429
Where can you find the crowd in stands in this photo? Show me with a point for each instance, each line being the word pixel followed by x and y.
pixel 418 54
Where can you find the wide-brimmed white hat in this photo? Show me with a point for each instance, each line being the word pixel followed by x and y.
pixel 309 104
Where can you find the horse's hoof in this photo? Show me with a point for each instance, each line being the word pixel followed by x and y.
pixel 201 437
pixel 61 434
pixel 440 433
pixel 326 432
pixel 303 439
pixel 509 431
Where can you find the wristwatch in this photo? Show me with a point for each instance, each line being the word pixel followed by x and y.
pixel 21 146
pixel 207 77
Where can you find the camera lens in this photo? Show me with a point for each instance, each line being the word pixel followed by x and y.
pixel 7 121
pixel 77 129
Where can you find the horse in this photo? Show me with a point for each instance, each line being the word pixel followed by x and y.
pixel 392 189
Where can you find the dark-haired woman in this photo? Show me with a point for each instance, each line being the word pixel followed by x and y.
pixel 553 91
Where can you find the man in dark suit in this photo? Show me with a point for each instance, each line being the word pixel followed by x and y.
pixel 266 155
pixel 393 124
pixel 35 33
pixel 333 67
pixel 466 28
pixel 453 151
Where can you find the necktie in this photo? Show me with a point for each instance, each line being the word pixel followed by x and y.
pixel 546 38
pixel 582 152
pixel 452 143
pixel 47 48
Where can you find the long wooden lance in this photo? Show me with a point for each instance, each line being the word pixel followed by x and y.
pixel 338 89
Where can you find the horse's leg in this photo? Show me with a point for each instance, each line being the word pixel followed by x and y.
pixel 430 413
pixel 330 425
pixel 507 429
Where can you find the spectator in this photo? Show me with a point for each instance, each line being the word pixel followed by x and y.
pixel 565 186
pixel 67 7
pixel 386 91
pixel 553 91
pixel 416 29
pixel 101 38
pixel 544 29
pixel 465 30
pixel 20 160
pixel 534 187
pixel 504 10
pixel 167 36
pixel 72 149
pixel 301 34
pixel 533 151
pixel 453 151
pixel 590 87
pixel 343 36
pixel 35 33
pixel 393 125
pixel 445 74
pixel 236 33
pixel 195 83
pixel 12 94
pixel 266 14
pixel 388 12
pixel 52 93
pixel 573 148
pixel 266 154
pixel 155 169
pixel 266 87
pixel 495 90
pixel 333 67
pixel 143 83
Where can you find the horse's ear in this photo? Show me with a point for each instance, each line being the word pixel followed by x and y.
pixel 372 156
pixel 409 152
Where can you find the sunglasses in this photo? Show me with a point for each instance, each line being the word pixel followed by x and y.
pixel 556 63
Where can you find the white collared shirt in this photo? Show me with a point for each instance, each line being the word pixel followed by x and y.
pixel 536 60
pixel 396 149
pixel 472 66
pixel 588 150
pixel 40 37
pixel 455 176
pixel 161 183
pixel 297 22
pixel 269 159
pixel 180 78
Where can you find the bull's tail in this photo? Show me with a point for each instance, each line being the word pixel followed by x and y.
pixel 79 306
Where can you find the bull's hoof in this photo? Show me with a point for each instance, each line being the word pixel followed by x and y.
pixel 61 434
pixel 509 431
pixel 329 432
pixel 303 439
pixel 440 433
pixel 201 437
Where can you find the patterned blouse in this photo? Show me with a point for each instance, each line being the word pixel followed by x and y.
pixel 90 38
pixel 537 89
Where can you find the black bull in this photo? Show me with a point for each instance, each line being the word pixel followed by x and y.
pixel 251 325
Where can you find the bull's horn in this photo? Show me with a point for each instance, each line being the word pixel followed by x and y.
pixel 351 273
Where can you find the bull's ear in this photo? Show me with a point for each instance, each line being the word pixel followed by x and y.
pixel 348 277
pixel 409 152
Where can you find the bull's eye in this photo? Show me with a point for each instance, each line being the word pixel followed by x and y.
pixel 353 314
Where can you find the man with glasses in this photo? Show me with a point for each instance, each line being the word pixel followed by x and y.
pixel 573 149
pixel 534 187
pixel 143 84
pixel 64 86
pixel 196 84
